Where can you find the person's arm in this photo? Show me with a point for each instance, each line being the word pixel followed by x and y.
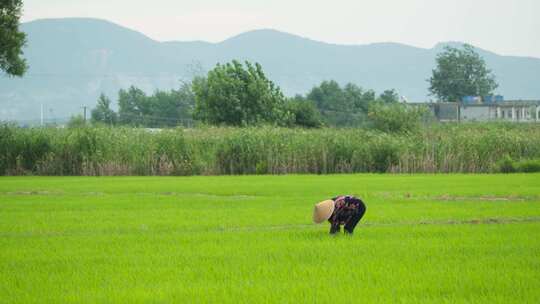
pixel 336 216
pixel 334 225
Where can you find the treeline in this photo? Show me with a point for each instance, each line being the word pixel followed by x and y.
pixel 265 150
pixel 136 108
pixel 236 94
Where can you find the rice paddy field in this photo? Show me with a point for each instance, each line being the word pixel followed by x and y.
pixel 249 239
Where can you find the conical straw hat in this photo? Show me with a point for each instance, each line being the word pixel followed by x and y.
pixel 323 211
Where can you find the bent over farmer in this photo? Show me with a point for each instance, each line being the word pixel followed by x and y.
pixel 345 210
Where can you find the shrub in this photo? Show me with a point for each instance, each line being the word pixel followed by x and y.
pixel 395 117
pixel 528 166
pixel 305 113
pixel 506 165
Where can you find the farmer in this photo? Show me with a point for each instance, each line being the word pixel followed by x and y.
pixel 344 210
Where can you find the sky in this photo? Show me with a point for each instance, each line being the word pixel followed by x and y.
pixel 509 27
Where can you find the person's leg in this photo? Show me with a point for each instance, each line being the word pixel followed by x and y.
pixel 351 223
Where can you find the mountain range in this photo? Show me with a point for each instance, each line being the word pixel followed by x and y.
pixel 73 60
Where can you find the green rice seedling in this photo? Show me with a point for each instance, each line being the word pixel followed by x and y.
pixel 426 238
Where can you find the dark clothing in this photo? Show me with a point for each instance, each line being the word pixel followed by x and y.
pixel 348 211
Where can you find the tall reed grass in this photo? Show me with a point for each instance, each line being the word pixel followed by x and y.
pixel 212 151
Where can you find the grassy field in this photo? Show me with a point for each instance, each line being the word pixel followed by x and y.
pixel 249 239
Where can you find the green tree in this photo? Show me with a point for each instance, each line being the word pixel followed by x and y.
pixel 103 112
pixel 133 104
pixel 76 122
pixel 461 72
pixel 358 98
pixel 339 106
pixel 305 112
pixel 185 101
pixel 329 96
pixel 235 95
pixel 170 108
pixel 161 109
pixel 389 96
pixel 12 40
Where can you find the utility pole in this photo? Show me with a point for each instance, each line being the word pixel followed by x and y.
pixel 84 107
pixel 41 116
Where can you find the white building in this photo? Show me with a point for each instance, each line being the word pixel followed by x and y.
pixel 511 111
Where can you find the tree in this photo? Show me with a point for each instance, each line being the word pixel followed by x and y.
pixel 339 106
pixel 169 108
pixel 185 101
pixel 329 96
pixel 11 39
pixel 358 98
pixel 102 112
pixel 133 104
pixel 389 96
pixel 235 95
pixel 161 109
pixel 305 112
pixel 76 122
pixel 461 72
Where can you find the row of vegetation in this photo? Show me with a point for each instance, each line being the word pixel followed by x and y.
pixel 508 165
pixel 240 95
pixel 236 94
pixel 263 150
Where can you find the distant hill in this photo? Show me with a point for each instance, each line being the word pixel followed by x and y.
pixel 73 60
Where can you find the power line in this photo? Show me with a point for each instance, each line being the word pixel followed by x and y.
pixel 119 75
pixel 129 115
